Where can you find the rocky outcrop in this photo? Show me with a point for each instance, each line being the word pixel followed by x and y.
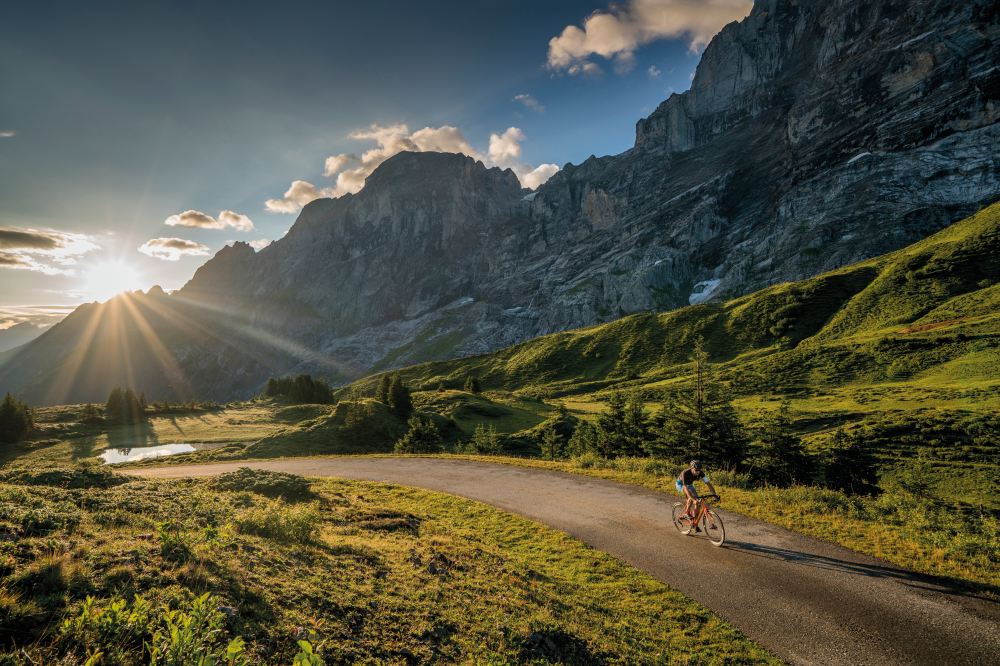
pixel 816 133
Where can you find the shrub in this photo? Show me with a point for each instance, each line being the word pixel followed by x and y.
pixel 64 477
pixel 123 632
pixel 485 440
pixel 280 523
pixel 290 487
pixel 16 420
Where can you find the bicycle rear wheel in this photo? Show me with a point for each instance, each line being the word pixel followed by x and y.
pixel 678 515
pixel 714 529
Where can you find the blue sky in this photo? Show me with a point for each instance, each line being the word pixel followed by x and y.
pixel 115 116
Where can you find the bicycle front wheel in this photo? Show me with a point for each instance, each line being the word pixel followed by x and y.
pixel 714 529
pixel 678 515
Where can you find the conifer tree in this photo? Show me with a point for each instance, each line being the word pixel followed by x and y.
pixel 382 393
pixel 485 440
pixel 552 443
pixel 583 440
pixel 472 384
pixel 700 422
pixel 636 427
pixel 612 434
pixel 850 465
pixel 777 455
pixel 399 397
pixel 16 420
pixel 422 436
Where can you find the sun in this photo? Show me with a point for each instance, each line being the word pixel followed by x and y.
pixel 110 278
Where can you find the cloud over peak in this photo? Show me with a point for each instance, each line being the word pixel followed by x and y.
pixel 172 249
pixel 198 220
pixel 529 102
pixel 615 34
pixel 7 134
pixel 349 171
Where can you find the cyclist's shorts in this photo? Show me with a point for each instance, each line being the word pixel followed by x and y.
pixel 679 486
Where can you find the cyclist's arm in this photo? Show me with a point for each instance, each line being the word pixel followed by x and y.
pixel 711 487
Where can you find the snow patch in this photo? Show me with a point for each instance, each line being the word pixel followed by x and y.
pixel 912 40
pixel 703 291
pixel 858 157
pixel 461 302
pixel 529 197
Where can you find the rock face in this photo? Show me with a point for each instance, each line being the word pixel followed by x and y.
pixel 816 133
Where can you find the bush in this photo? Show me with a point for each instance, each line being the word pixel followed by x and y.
pixel 301 389
pixel 64 477
pixel 290 487
pixel 280 523
pixel 136 632
pixel 16 420
pixel 485 440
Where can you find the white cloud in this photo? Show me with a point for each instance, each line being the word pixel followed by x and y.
pixel 260 243
pixel 38 249
pixel 615 34
pixel 337 163
pixel 8 134
pixel 530 102
pixel 654 72
pixel 505 149
pixel 298 194
pixel 198 220
pixel 351 170
pixel 538 175
pixel 172 249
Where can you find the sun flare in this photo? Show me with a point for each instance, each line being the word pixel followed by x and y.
pixel 108 279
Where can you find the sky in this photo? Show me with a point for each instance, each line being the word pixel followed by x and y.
pixel 139 138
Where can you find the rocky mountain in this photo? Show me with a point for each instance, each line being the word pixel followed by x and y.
pixel 18 334
pixel 815 134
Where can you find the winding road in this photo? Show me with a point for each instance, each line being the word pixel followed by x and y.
pixel 806 600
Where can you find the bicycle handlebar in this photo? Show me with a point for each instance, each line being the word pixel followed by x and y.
pixel 713 496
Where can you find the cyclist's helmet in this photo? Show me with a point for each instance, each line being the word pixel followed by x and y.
pixel 695 464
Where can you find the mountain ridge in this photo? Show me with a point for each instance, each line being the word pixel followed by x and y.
pixel 814 135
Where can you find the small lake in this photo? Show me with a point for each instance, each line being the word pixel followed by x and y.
pixel 112 456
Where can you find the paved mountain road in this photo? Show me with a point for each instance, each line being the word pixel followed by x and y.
pixel 808 601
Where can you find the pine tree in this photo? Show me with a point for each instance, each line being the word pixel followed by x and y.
pixel 486 440
pixel 552 443
pixel 701 422
pixel 124 406
pixel 16 420
pixel 422 436
pixel 777 455
pixel 382 393
pixel 636 427
pixel 583 440
pixel 850 465
pixel 611 433
pixel 472 384
pixel 399 397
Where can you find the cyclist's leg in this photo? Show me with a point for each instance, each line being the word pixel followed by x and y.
pixel 691 506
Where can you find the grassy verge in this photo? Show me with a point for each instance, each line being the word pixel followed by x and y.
pixel 366 572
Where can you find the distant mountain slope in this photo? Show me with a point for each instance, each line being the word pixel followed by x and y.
pixel 815 134
pixel 18 334
pixel 930 311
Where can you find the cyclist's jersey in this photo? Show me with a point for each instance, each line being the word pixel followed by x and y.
pixel 689 476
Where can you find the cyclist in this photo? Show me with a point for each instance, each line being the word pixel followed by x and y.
pixel 685 486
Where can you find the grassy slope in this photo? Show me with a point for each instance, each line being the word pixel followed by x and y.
pixel 388 574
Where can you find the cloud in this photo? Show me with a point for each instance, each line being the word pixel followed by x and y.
pixel 538 175
pixel 38 249
pixel 8 134
pixel 529 102
pixel 350 171
pixel 296 196
pixel 654 72
pixel 260 243
pixel 198 220
pixel 615 34
pixel 505 149
pixel 172 249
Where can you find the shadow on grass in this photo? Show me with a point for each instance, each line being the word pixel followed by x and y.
pixel 940 584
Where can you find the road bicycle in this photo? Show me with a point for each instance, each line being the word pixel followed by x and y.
pixel 711 523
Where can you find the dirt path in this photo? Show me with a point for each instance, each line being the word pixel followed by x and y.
pixel 806 600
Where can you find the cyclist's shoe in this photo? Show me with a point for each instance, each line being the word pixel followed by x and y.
pixel 697 529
